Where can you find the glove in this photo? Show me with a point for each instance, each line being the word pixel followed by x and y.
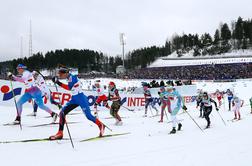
pixel 184 107
pixel 9 75
pixel 217 109
pixel 55 79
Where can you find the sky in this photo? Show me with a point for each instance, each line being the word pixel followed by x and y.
pixel 96 24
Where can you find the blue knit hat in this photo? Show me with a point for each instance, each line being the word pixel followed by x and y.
pixel 21 66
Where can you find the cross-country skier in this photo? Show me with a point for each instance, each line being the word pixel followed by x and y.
pixel 237 103
pixel 101 96
pixel 32 92
pixel 175 103
pixel 78 99
pixel 148 99
pixel 116 103
pixel 230 97
pixel 163 94
pixel 219 96
pixel 206 101
pixel 41 84
pixel 198 99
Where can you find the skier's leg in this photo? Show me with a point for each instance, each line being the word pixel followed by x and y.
pixel 163 106
pixel 207 113
pixel 83 102
pixel 26 97
pixel 147 102
pixel 65 110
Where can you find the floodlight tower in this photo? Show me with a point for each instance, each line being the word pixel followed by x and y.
pixel 30 40
pixel 123 43
pixel 21 47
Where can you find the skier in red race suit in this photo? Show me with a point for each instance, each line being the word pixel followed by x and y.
pixel 101 97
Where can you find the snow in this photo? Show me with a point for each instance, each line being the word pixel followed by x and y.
pixel 236 56
pixel 148 144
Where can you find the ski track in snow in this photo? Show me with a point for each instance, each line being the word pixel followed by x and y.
pixel 148 144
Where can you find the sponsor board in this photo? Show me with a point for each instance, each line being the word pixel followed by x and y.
pixel 128 100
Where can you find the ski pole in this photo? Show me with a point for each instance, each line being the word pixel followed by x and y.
pixel 128 108
pixel 194 121
pixel 166 115
pixel 222 118
pixel 65 121
pixel 107 127
pixel 15 101
pixel 69 132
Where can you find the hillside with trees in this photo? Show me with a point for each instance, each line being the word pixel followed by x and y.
pixel 236 36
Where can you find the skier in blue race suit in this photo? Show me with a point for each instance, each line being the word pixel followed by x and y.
pixel 78 99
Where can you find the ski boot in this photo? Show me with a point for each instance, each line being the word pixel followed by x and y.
pixel 101 127
pixel 57 136
pixel 17 120
pixel 179 126
pixel 173 131
pixel 119 123
pixel 161 121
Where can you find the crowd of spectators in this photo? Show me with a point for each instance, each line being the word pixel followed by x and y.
pixel 197 72
pixel 156 84
pixel 194 72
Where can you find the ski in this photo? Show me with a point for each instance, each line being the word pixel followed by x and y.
pixel 234 120
pixel 28 140
pixel 49 124
pixel 153 116
pixel 105 136
pixel 11 124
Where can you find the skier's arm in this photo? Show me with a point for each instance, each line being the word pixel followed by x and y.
pixel 199 102
pixel 181 99
pixel 116 97
pixel 19 79
pixel 56 81
pixel 214 104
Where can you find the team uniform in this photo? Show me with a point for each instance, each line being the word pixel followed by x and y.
pixel 219 97
pixel 175 101
pixel 198 99
pixel 206 101
pixel 31 92
pixel 78 99
pixel 237 103
pixel 148 100
pixel 41 84
pixel 116 103
pixel 101 97
pixel 230 97
pixel 165 103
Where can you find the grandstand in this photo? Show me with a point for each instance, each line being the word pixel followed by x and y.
pixel 198 68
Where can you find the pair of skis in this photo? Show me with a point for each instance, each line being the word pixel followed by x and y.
pixel 47 139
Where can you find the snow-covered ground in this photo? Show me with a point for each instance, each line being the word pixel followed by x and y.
pixel 147 144
pixel 236 56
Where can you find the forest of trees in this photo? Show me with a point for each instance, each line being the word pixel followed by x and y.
pixel 237 35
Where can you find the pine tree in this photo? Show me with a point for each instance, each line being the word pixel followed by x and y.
pixel 238 32
pixel 225 32
pixel 216 37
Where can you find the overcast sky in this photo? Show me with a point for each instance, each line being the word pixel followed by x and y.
pixel 96 24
